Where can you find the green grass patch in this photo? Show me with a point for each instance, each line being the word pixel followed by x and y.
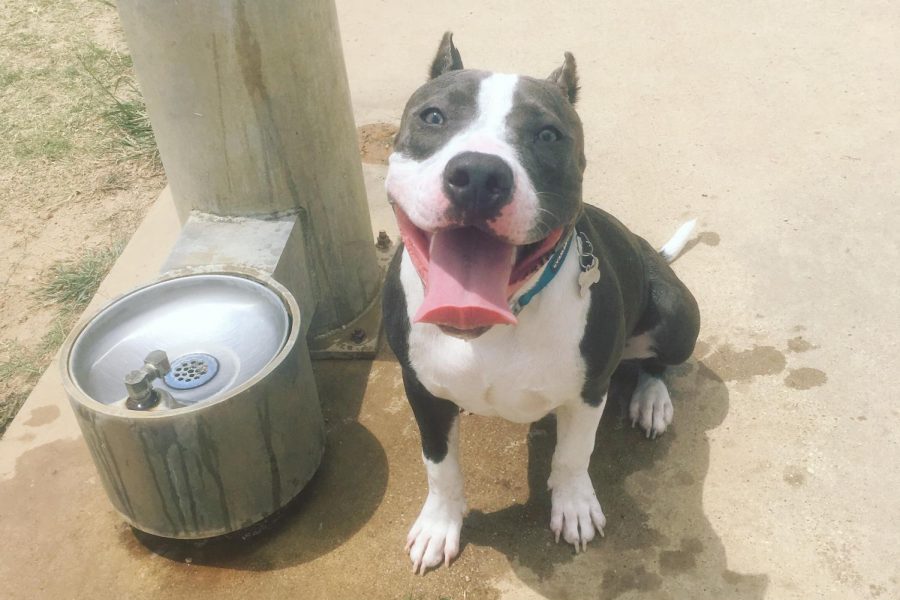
pixel 106 66
pixel 120 101
pixel 9 407
pixel 130 120
pixel 27 40
pixel 8 76
pixel 43 144
pixel 20 362
pixel 71 284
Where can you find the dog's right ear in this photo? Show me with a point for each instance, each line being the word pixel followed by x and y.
pixel 566 77
pixel 446 59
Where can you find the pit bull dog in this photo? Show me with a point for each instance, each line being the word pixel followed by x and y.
pixel 510 297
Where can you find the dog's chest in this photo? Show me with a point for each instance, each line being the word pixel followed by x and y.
pixel 519 372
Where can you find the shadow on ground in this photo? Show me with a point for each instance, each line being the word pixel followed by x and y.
pixel 658 540
pixel 308 526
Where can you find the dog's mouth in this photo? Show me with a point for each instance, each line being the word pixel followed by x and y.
pixel 470 275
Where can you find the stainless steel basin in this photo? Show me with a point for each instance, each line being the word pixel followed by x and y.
pixel 237 321
pixel 246 433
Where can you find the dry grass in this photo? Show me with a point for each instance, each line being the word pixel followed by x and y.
pixel 78 170
pixel 130 133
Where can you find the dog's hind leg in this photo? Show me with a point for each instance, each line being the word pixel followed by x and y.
pixel 434 538
pixel 651 406
pixel 665 335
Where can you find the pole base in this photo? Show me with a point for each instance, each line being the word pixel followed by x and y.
pixel 361 337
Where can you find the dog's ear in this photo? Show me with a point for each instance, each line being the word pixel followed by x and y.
pixel 446 59
pixel 566 77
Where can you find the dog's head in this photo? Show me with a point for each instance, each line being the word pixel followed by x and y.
pixel 485 180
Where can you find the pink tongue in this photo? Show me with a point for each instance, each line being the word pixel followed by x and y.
pixel 467 279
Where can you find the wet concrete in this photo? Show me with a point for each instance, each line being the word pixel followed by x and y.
pixel 346 526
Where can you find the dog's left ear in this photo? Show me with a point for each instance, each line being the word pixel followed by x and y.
pixel 446 59
pixel 566 77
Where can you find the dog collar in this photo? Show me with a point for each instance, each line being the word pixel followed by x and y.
pixel 550 270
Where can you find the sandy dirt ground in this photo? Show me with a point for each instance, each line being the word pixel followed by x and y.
pixel 67 186
pixel 776 126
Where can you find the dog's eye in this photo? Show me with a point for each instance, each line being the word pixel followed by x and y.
pixel 432 116
pixel 548 134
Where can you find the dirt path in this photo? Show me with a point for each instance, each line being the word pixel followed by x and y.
pixel 77 172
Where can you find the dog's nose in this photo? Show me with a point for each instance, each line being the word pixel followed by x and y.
pixel 478 184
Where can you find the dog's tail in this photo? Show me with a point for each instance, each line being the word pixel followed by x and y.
pixel 674 246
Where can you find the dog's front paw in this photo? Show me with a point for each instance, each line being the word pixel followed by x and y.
pixel 651 406
pixel 575 511
pixel 434 538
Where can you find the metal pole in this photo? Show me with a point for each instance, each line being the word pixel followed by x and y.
pixel 251 109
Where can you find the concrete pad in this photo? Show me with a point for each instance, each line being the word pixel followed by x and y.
pixel 776 125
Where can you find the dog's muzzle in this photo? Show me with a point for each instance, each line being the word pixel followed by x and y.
pixel 478 185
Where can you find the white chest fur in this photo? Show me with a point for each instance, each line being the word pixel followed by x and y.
pixel 519 372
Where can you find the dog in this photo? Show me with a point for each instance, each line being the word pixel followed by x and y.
pixel 511 297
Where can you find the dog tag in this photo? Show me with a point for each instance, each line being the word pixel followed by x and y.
pixel 589 277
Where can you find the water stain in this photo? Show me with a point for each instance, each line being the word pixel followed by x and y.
pixel 679 561
pixel 645 482
pixel 742 365
pixel 376 142
pixel 795 476
pixel 710 238
pixel 249 55
pixel 702 348
pixel 731 577
pixel 52 487
pixel 618 582
pixel 798 344
pixel 42 415
pixel 805 378
pixel 684 478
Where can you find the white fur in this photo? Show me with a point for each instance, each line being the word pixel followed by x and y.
pixel 675 245
pixel 520 372
pixel 434 538
pixel 651 405
pixel 416 186
pixel 495 100
pixel 575 511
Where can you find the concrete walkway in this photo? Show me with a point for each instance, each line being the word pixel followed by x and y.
pixel 777 126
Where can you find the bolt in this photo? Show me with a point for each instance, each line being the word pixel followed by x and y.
pixel 384 240
pixel 141 395
pixel 159 361
pixel 358 336
pixel 138 384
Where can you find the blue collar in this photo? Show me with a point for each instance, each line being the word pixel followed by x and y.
pixel 550 270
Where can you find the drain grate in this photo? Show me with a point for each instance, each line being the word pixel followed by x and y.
pixel 191 371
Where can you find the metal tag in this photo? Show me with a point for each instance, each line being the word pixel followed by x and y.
pixel 589 277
